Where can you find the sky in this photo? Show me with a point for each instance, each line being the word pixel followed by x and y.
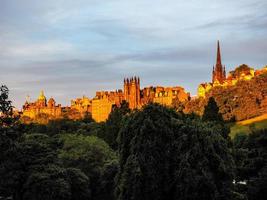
pixel 71 48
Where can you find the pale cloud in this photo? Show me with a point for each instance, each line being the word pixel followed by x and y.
pixel 34 50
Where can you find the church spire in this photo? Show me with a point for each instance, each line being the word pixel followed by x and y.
pixel 218 62
pixel 218 74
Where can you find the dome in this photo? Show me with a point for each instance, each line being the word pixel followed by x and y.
pixel 41 96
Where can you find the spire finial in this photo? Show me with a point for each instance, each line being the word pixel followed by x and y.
pixel 218 62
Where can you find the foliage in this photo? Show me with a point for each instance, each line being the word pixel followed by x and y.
pixel 114 124
pixel 163 155
pixel 245 100
pixel 89 154
pixel 9 133
pixel 211 111
pixel 54 182
pixel 247 129
pixel 155 153
pixel 251 162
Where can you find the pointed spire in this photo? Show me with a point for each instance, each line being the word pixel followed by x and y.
pixel 218 62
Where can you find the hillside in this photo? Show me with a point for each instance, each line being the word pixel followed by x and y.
pixel 243 101
pixel 248 126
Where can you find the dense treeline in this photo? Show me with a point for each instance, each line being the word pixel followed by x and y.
pixel 246 99
pixel 152 153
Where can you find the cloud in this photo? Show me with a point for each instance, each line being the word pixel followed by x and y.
pixel 70 48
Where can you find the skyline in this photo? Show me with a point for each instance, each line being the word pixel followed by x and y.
pixel 77 48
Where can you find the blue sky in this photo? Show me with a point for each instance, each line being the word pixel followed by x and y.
pixel 74 48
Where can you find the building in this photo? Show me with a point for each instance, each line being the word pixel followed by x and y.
pixel 219 78
pixel 82 106
pixel 136 97
pixel 102 104
pixel 41 108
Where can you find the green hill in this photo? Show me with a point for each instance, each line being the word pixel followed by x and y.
pixel 246 128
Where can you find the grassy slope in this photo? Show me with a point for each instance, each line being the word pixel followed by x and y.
pixel 247 126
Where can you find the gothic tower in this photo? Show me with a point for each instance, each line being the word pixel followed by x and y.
pixel 218 73
pixel 132 92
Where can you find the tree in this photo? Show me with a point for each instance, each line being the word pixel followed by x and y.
pixel 145 152
pixel 89 154
pixel 9 133
pixel 211 111
pixel 114 124
pixel 55 183
pixel 167 156
pixel 204 164
pixel 251 161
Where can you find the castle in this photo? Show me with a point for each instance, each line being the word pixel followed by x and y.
pixel 103 101
pixel 219 78
pixel 101 105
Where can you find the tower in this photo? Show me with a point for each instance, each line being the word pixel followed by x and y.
pixel 218 73
pixel 132 92
pixel 51 103
pixel 41 99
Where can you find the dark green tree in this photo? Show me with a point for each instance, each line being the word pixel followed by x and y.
pixel 9 133
pixel 211 111
pixel 89 154
pixel 55 183
pixel 114 124
pixel 165 156
pixel 251 162
pixel 205 166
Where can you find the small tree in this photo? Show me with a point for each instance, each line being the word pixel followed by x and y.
pixel 211 111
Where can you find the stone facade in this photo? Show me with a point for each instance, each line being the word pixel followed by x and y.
pixel 82 105
pixel 136 97
pixel 41 106
pixel 101 105
pixel 103 102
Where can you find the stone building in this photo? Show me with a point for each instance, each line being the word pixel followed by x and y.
pixel 41 107
pixel 219 78
pixel 136 97
pixel 102 104
pixel 82 106
pixel 167 95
